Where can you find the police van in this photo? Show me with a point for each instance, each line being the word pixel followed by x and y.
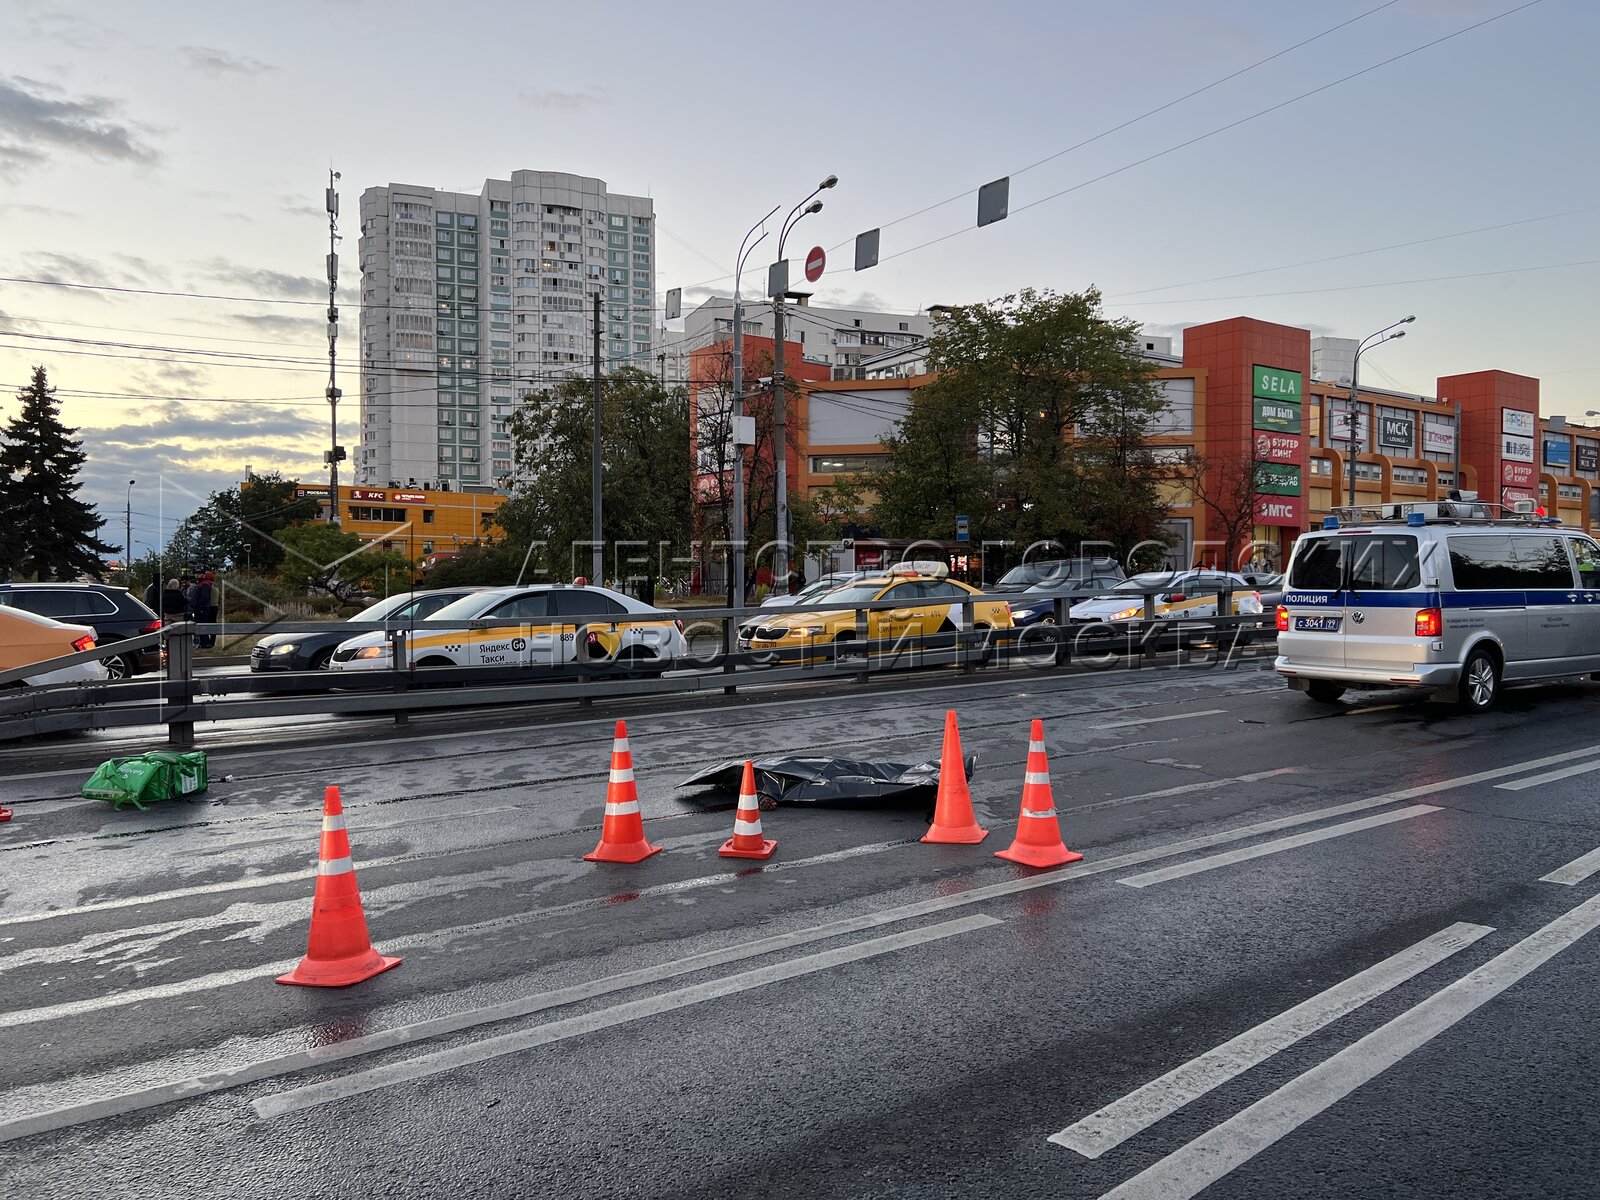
pixel 1455 596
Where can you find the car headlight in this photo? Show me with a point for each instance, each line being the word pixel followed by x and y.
pixel 1026 612
pixel 809 630
pixel 372 652
pixel 1126 614
pixel 286 648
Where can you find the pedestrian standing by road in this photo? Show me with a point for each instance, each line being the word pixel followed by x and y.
pixel 174 604
pixel 203 609
pixel 152 594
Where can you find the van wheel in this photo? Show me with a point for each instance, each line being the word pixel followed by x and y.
pixel 1480 682
pixel 1325 691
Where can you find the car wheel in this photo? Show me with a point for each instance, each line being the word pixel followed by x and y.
pixel 1325 691
pixel 1480 681
pixel 844 646
pixel 119 666
pixel 321 659
pixel 436 661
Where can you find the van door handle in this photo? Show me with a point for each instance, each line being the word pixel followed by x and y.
pixel 1497 608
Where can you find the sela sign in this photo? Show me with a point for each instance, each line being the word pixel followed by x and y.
pixel 1277 415
pixel 1400 432
pixel 1274 383
pixel 1514 420
pixel 1277 448
pixel 1280 510
pixel 1274 480
pixel 1514 474
pixel 1516 448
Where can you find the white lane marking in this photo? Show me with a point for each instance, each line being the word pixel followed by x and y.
pixel 1518 785
pixel 1185 788
pixel 1575 871
pixel 1246 853
pixel 401 1035
pixel 1187 1171
pixel 1205 712
pixel 1411 793
pixel 1160 1098
pixel 360 1082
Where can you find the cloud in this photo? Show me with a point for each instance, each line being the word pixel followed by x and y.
pixel 37 121
pixel 264 282
pixel 279 325
pixel 36 210
pixel 181 378
pixel 119 271
pixel 222 62
pixel 557 99
pixel 300 206
pixel 62 28
pixel 10 324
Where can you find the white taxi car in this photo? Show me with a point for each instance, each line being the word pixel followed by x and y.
pixel 537 625
pixel 1181 595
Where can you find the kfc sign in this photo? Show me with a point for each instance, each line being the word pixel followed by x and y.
pixel 367 494
pixel 1277 447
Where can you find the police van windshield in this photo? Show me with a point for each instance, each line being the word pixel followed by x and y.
pixel 1356 562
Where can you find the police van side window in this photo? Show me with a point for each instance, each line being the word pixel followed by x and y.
pixel 1588 556
pixel 1499 563
pixel 1382 563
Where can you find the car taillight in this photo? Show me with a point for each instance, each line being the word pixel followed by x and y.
pixel 84 643
pixel 1430 622
pixel 1283 619
pixel 1008 608
pixel 152 627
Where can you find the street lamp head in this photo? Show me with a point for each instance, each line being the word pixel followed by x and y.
pixel 830 181
pixel 1401 334
pixel 1409 319
pixel 814 207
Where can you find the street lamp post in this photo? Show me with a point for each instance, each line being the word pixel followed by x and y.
pixel 780 395
pixel 1383 335
pixel 127 535
pixel 736 570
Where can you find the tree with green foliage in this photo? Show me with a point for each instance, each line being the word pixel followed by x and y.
pixel 48 532
pixel 645 486
pixel 239 527
pixel 1034 429
pixel 480 564
pixel 324 558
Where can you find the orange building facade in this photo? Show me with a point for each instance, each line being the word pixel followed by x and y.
pixel 424 525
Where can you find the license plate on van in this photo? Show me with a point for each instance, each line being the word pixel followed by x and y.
pixel 1317 624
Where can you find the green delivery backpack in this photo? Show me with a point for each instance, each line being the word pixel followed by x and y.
pixel 158 775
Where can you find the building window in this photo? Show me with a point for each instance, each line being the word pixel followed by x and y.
pixel 444 220
pixel 467 221
pixel 427 516
pixel 833 464
pixel 619 221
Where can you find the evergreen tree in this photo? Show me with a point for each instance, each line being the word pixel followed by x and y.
pixel 51 533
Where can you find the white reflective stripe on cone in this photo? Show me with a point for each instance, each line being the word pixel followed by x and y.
pixel 747 827
pixel 329 824
pixel 625 775
pixel 1035 747
pixel 1048 812
pixel 1037 777
pixel 619 745
pixel 335 866
pixel 621 808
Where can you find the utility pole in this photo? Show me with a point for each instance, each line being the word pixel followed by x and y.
pixel 598 561
pixel 1386 334
pixel 735 431
pixel 780 398
pixel 127 535
pixel 335 451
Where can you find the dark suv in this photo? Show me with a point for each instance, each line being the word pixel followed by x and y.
pixel 115 614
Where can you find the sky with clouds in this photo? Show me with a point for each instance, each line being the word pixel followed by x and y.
pixel 1193 162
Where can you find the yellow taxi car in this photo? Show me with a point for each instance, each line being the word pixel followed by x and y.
pixel 927 604
pixel 538 625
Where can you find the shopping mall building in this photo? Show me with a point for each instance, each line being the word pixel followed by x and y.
pixel 1271 404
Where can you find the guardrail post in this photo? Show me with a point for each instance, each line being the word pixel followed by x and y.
pixel 969 630
pixel 399 664
pixel 730 647
pixel 180 672
pixel 863 636
pixel 1063 638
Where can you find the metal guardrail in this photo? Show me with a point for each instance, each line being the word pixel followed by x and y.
pixel 180 698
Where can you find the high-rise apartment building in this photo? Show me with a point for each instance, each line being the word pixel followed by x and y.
pixel 470 302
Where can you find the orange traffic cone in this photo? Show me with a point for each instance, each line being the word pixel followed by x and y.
pixel 622 832
pixel 1038 842
pixel 747 841
pixel 953 821
pixel 339 952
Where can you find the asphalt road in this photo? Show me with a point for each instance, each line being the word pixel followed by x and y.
pixel 1309 953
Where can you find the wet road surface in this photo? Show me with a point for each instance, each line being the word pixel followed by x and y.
pixel 1310 952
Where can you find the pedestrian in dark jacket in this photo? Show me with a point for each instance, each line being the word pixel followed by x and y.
pixel 203 609
pixel 152 594
pixel 174 604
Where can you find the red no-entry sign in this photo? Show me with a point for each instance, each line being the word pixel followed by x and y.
pixel 815 261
